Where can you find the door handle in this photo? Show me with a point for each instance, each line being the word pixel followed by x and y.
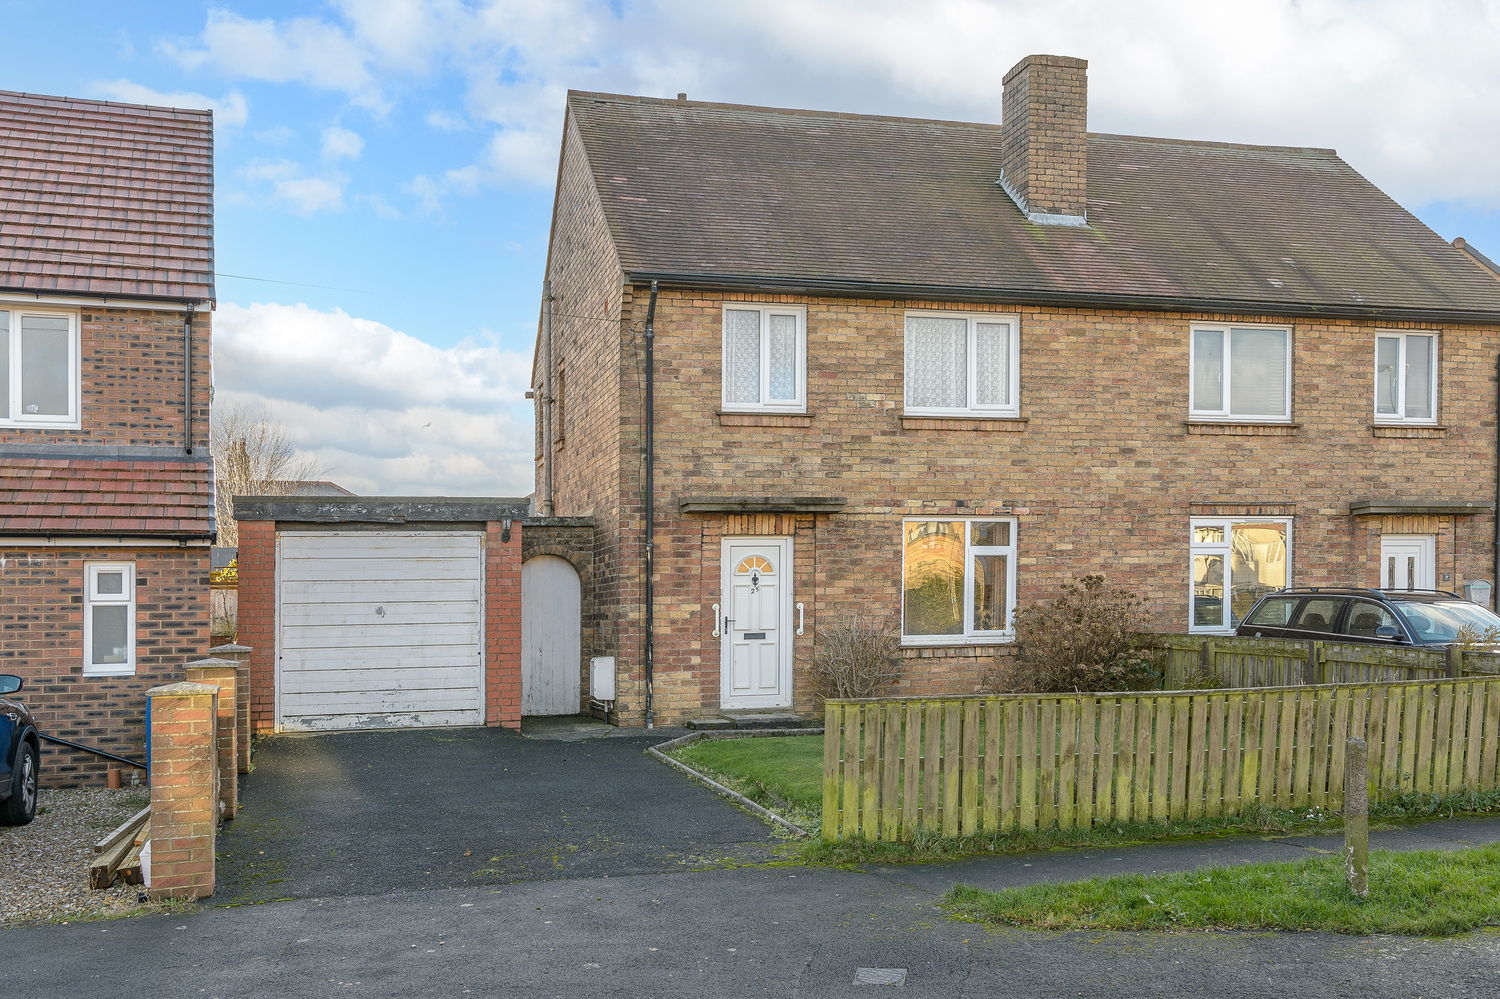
pixel 799 619
pixel 716 620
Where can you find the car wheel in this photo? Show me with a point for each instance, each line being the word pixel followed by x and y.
pixel 20 807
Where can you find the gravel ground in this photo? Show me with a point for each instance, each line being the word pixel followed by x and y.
pixel 44 866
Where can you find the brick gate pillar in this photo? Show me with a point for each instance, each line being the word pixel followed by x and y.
pixel 222 673
pixel 184 789
pixel 240 656
pixel 502 625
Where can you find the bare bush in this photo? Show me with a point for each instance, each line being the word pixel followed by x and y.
pixel 251 450
pixel 1088 639
pixel 856 657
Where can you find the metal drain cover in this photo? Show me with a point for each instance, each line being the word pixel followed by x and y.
pixel 879 976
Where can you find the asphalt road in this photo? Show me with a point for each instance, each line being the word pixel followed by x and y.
pixel 670 892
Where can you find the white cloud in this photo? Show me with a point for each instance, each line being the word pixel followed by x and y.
pixel 341 144
pixel 276 135
pixel 230 111
pixel 383 411
pixel 290 185
pixel 446 121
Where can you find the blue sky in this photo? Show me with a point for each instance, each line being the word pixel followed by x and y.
pixel 385 167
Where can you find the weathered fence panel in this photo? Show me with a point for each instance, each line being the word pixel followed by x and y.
pixel 957 766
pixel 1234 662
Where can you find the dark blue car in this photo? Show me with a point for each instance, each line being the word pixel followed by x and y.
pixel 20 756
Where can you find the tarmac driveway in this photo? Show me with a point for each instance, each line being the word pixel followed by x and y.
pixel 363 813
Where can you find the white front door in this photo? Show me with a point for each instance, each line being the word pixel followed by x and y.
pixel 1408 562
pixel 756 656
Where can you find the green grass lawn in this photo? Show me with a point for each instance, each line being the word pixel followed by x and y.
pixel 781 769
pixel 1428 894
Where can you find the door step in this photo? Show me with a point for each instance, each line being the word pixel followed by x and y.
pixel 746 720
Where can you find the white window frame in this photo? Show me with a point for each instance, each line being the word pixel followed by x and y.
pixel 799 405
pixel 12 417
pixel 1011 409
pixel 970 636
pixel 1400 416
pixel 1227 414
pixel 93 598
pixel 1225 548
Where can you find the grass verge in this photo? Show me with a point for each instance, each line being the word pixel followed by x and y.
pixel 785 774
pixel 1428 894
pixel 781 773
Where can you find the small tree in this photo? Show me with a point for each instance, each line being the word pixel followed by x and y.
pixel 1088 639
pixel 251 450
pixel 856 657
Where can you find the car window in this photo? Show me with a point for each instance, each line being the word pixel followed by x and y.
pixel 1441 620
pixel 1318 614
pixel 1365 617
pixel 1273 612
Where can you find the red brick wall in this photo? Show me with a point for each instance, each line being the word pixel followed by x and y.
pixel 1103 473
pixel 502 626
pixel 41 639
pixel 257 617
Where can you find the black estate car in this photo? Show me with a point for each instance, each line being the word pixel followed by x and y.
pixel 1377 617
pixel 20 756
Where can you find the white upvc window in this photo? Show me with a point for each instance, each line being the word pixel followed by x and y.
pixel 109 619
pixel 1406 371
pixel 1234 562
pixel 39 368
pixel 765 358
pixel 1241 373
pixel 958 580
pixel 963 364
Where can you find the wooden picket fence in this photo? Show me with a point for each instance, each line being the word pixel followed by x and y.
pixel 956 766
pixel 1281 662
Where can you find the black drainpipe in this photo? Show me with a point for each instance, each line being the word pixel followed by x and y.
pixel 187 385
pixel 650 498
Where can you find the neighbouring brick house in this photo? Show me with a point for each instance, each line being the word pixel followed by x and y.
pixel 106 512
pixel 928 370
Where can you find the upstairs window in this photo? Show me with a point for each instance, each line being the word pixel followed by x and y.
pixel 1241 373
pixel 1406 378
pixel 765 358
pixel 38 368
pixel 962 365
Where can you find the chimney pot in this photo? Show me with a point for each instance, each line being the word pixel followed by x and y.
pixel 1044 139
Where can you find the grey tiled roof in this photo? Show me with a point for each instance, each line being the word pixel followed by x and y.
pixel 735 195
pixel 111 199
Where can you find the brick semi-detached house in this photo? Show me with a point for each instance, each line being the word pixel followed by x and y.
pixel 928 371
pixel 106 514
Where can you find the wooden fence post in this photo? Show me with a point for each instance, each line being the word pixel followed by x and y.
pixel 1309 673
pixel 1357 816
pixel 1453 661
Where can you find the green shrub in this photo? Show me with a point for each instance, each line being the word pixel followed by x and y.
pixel 1088 639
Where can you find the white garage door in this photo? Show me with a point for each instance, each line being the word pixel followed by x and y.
pixel 379 630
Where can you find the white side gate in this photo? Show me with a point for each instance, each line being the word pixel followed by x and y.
pixel 551 637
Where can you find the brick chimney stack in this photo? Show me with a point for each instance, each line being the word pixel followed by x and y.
pixel 1043 139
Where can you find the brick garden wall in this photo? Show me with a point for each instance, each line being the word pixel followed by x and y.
pixel 1103 471
pixel 41 639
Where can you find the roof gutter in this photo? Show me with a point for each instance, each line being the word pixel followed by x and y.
pixel 1156 303
pixel 171 303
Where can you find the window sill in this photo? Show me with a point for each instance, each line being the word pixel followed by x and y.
pixel 982 424
pixel 1233 428
pixel 1417 430
pixel 946 650
pixel 105 673
pixel 765 419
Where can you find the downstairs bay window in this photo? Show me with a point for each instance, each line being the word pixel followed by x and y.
pixel 958 581
pixel 1234 563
